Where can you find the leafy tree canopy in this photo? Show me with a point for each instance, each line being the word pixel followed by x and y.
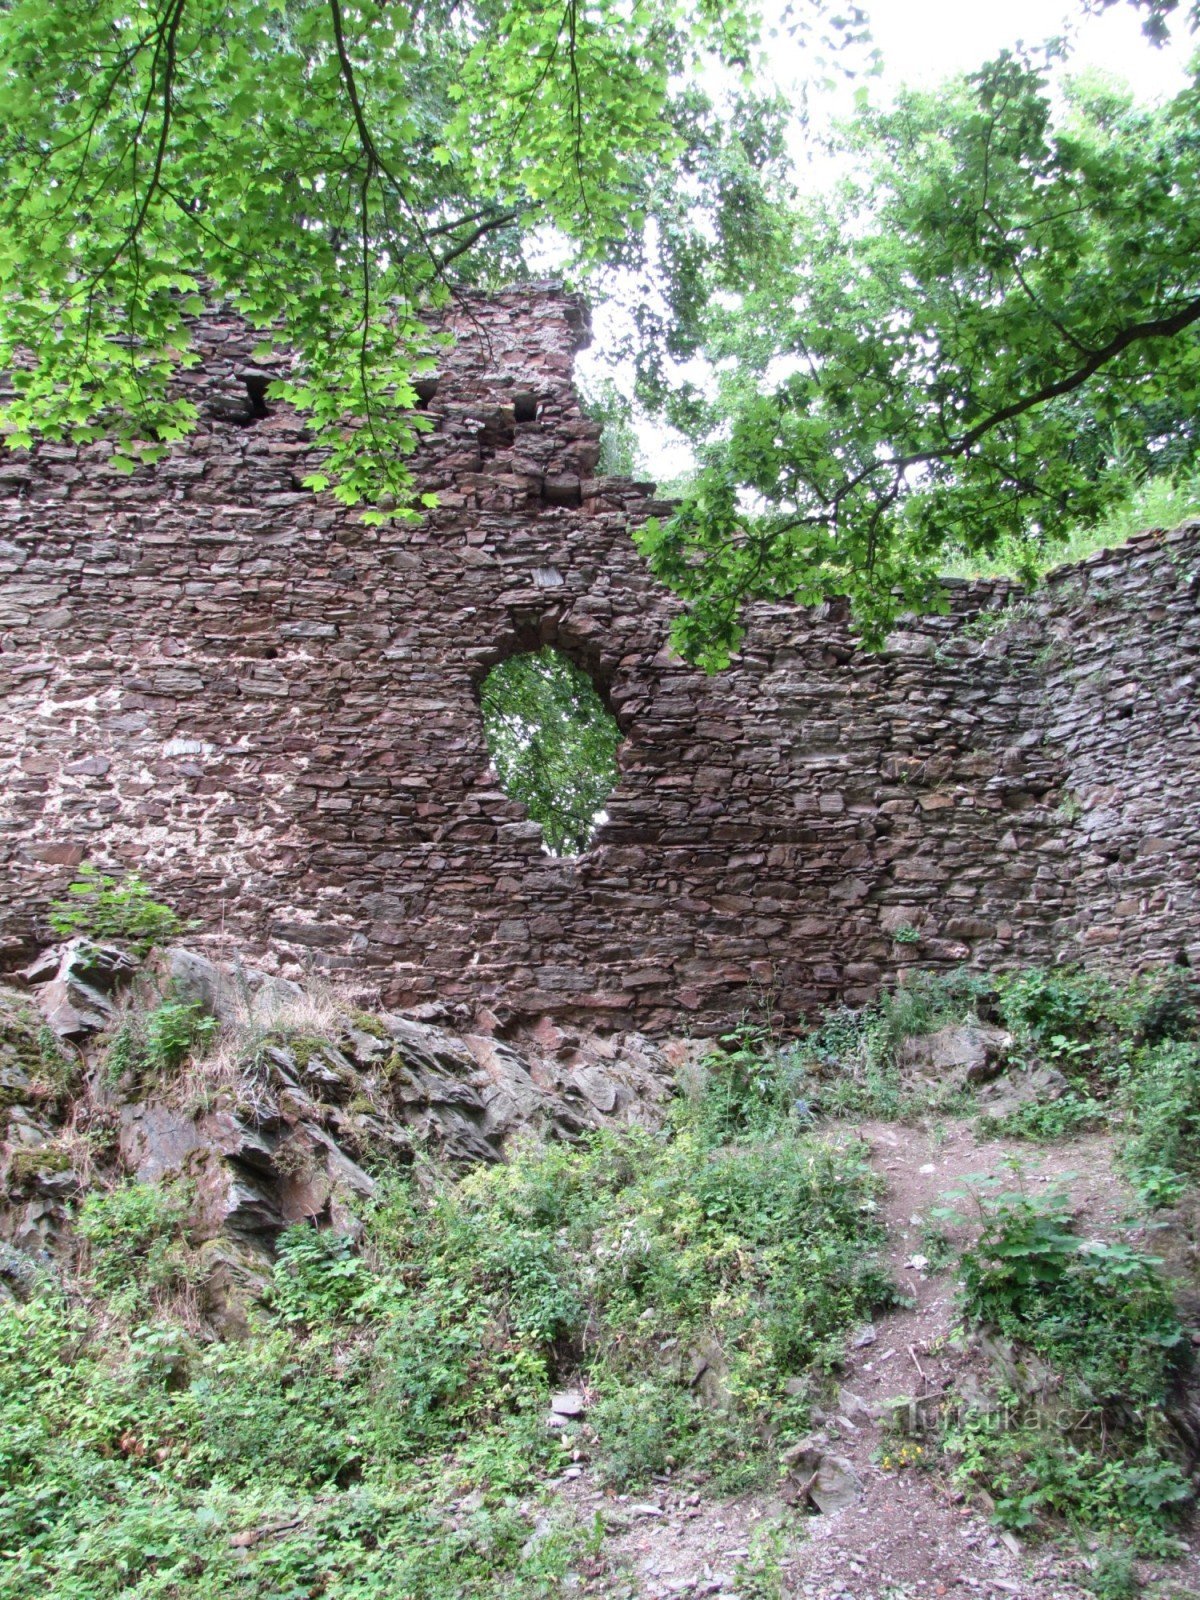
pixel 330 168
pixel 969 342
pixel 964 344
pixel 553 744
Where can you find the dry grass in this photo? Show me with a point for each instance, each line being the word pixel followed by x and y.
pixel 229 1069
pixel 232 1068
pixel 318 1010
pixel 87 1138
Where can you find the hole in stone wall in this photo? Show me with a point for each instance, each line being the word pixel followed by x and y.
pixel 425 389
pixel 553 743
pixel 256 390
pixel 562 490
pixel 243 410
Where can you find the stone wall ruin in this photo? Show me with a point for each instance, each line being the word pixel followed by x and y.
pixel 271 711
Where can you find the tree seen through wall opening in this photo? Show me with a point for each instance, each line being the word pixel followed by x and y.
pixel 553 744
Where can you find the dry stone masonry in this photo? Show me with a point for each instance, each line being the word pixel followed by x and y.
pixel 271 711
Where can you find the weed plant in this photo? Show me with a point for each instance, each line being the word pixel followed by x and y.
pixel 102 907
pixel 155 1044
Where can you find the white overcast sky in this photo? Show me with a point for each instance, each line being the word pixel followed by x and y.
pixel 923 42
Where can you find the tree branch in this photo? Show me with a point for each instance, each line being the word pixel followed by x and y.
pixel 475 235
pixel 365 137
pixel 1137 333
pixel 168 97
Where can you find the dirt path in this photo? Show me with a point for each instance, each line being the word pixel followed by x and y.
pixel 911 1535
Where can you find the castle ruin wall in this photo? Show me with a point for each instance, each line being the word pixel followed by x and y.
pixel 271 711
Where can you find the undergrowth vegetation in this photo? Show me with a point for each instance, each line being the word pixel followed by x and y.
pixel 1128 1057
pixel 1086 1347
pixel 1162 500
pixel 382 1429
pixel 1079 1432
pixel 135 1249
pixel 1122 1055
pixel 849 1064
pixel 854 1058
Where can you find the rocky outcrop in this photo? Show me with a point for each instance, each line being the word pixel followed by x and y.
pixel 281 1117
pixel 76 983
pixel 958 1054
pixel 40 1083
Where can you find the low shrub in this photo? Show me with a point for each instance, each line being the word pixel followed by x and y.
pixel 1086 1022
pixel 257 1474
pixel 1101 1312
pixel 640 1258
pixel 1038 1477
pixel 1159 1100
pixel 1102 1318
pixel 749 1086
pixel 135 1240
pixel 320 1277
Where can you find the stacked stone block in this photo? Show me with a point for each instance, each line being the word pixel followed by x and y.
pixel 271 711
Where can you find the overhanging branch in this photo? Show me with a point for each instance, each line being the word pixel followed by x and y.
pixel 1137 333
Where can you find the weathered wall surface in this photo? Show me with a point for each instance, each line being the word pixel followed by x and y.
pixel 272 712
